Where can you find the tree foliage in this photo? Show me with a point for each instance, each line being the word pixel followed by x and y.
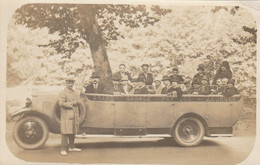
pixel 65 19
pixel 184 37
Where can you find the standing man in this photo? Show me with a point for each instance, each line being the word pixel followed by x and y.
pixel 95 86
pixel 175 76
pixel 69 119
pixel 122 73
pixel 148 77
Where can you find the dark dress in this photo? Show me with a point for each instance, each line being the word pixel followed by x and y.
pixel 148 78
pixel 90 88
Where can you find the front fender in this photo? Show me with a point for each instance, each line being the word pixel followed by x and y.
pixel 23 112
pixel 20 112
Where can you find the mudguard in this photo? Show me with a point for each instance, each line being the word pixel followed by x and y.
pixel 28 111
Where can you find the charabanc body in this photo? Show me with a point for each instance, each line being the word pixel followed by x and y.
pixel 186 120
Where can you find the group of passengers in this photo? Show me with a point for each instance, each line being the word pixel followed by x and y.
pixel 173 84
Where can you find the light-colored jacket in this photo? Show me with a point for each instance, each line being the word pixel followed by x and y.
pixel 69 119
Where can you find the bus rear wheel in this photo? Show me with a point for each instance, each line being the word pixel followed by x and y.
pixel 189 131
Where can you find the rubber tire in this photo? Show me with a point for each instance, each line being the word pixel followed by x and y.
pixel 179 140
pixel 35 145
pixel 82 111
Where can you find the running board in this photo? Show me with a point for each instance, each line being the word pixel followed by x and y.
pixel 221 135
pixel 83 136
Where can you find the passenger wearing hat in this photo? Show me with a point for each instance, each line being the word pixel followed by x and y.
pixel 139 86
pixel 175 75
pixel 148 77
pixel 117 88
pixel 69 119
pixel 157 86
pixel 204 89
pixel 200 73
pixel 186 85
pixel 175 89
pixel 231 89
pixel 122 73
pixel 95 86
pixel 167 85
pixel 223 72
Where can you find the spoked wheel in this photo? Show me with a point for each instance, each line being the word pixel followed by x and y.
pixel 189 131
pixel 30 132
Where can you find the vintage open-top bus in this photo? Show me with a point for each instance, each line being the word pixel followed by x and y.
pixel 186 120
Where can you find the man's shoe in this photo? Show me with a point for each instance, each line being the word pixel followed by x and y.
pixel 75 149
pixel 64 153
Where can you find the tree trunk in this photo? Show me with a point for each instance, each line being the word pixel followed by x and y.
pixel 89 25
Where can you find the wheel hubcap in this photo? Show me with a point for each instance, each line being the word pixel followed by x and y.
pixel 30 132
pixel 189 131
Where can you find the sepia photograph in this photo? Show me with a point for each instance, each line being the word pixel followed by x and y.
pixel 122 83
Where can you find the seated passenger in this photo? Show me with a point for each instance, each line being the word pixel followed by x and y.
pixel 186 85
pixel 122 73
pixel 117 88
pixel 200 73
pixel 223 87
pixel 139 86
pixel 230 90
pixel 175 89
pixel 219 87
pixel 157 86
pixel 204 89
pixel 176 76
pixel 148 77
pixel 223 71
pixel 196 84
pixel 167 85
pixel 94 85
pixel 126 86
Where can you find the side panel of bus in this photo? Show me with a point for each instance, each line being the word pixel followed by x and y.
pixel 100 114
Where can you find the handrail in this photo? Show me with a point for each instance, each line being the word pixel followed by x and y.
pixel 154 95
